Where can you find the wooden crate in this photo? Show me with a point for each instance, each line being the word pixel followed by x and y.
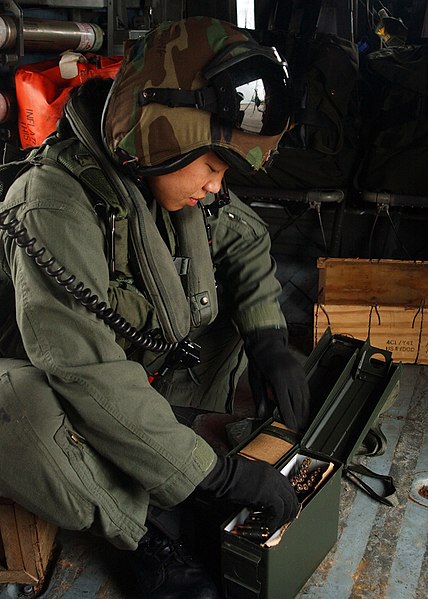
pixel 368 282
pixel 380 300
pixel 397 329
pixel 26 544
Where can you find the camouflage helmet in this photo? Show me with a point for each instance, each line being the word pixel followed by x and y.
pixel 191 86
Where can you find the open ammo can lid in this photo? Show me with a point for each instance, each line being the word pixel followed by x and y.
pixel 368 380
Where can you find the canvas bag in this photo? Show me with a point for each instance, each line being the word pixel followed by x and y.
pixel 320 151
pixel 395 128
pixel 42 90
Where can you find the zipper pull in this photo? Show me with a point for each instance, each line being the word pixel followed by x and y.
pixel 111 241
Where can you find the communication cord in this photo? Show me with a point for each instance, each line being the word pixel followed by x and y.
pixel 185 353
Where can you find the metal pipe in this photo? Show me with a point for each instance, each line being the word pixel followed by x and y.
pixel 7 107
pixel 51 36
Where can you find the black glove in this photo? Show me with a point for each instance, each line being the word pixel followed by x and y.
pixel 252 484
pixel 271 367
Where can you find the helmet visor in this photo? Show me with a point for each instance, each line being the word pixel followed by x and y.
pixel 253 94
pixel 257 113
pixel 252 106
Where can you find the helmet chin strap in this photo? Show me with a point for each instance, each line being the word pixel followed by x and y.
pixel 221 199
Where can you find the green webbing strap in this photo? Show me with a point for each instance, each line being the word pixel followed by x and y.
pixel 76 160
pixel 388 498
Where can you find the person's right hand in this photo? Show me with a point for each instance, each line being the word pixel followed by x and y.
pixel 252 484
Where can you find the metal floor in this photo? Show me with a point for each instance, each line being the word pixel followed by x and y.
pixel 381 551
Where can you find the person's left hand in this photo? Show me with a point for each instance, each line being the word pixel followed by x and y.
pixel 273 373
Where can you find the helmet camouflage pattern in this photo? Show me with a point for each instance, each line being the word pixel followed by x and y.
pixel 161 137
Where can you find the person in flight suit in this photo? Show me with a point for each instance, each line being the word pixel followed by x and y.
pixel 133 287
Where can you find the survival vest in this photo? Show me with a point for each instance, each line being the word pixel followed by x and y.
pixel 180 302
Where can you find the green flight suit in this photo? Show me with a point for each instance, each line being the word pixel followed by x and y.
pixel 88 442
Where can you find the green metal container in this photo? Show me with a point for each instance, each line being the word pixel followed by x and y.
pixel 351 381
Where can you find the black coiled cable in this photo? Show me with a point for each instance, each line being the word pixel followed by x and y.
pixel 83 295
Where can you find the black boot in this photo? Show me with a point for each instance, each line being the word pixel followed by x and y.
pixel 164 569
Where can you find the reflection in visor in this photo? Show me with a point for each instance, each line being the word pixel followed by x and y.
pixel 252 106
pixel 252 93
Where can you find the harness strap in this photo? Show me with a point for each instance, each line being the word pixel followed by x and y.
pixel 388 498
pixel 177 307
